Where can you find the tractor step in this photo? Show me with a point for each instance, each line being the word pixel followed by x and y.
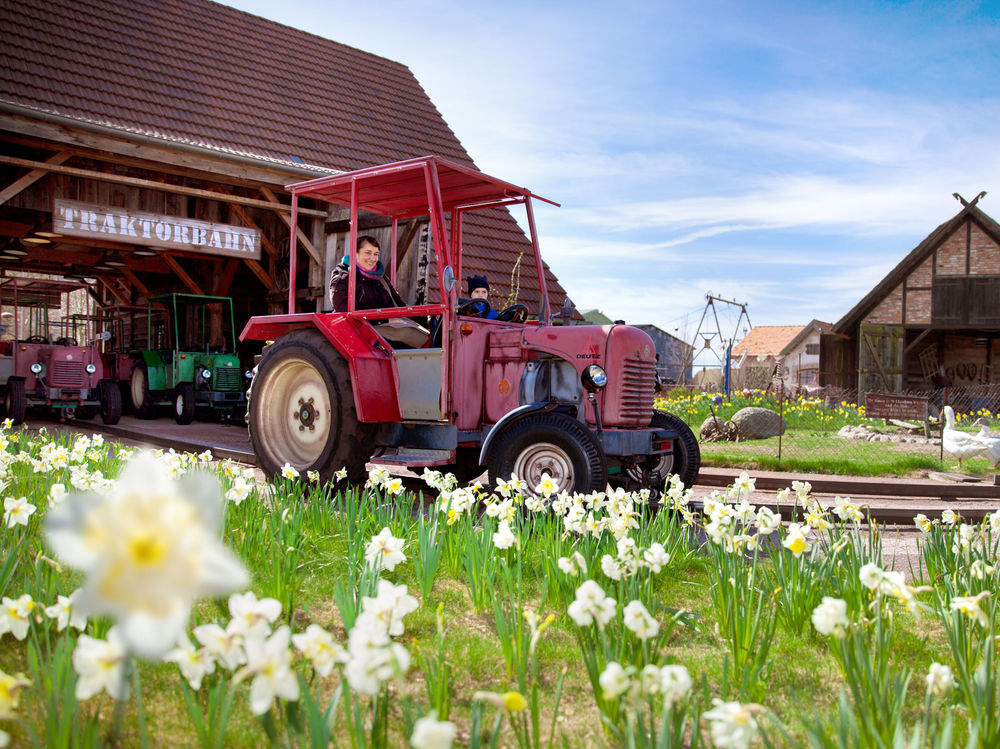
pixel 410 457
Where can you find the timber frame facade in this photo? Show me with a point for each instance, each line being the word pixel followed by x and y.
pixel 932 322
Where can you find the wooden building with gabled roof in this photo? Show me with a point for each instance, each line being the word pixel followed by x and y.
pixel 933 321
pixel 147 145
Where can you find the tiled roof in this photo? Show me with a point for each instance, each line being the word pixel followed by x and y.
pixel 766 340
pixel 207 75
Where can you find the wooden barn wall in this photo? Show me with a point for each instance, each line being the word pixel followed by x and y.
pixel 250 297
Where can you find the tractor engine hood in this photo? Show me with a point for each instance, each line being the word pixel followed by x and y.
pixel 627 354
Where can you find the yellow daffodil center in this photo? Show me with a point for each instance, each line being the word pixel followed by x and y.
pixel 514 701
pixel 146 549
pixel 797 546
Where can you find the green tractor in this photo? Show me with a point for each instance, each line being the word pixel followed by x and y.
pixel 189 360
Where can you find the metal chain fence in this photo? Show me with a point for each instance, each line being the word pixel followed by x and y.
pixel 830 431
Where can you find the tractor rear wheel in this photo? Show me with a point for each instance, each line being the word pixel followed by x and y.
pixel 301 410
pixel 554 444
pixel 142 401
pixel 685 461
pixel 15 400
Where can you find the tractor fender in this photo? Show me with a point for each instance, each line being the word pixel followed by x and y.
pixel 374 376
pixel 512 417
pixel 155 369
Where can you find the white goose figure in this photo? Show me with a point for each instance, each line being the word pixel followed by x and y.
pixel 992 443
pixel 960 444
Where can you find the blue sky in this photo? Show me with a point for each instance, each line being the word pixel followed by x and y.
pixel 782 154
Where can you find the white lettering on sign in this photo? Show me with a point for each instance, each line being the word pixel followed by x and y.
pixel 135 227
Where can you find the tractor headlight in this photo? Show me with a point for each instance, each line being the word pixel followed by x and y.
pixel 36 368
pixel 594 378
pixel 91 369
pixel 206 374
pixel 248 374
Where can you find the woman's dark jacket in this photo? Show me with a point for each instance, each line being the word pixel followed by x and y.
pixel 372 291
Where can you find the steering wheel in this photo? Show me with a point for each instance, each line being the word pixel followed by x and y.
pixel 475 308
pixel 36 339
pixel 514 313
pixel 65 341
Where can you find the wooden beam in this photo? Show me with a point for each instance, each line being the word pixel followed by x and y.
pixel 265 242
pixel 302 238
pixel 182 274
pixel 121 179
pixel 926 332
pixel 366 222
pixel 878 361
pixel 113 291
pixel 222 281
pixel 134 280
pixel 120 144
pixel 263 275
pixel 32 177
pixel 407 239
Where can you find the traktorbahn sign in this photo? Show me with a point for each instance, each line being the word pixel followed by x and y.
pixel 135 227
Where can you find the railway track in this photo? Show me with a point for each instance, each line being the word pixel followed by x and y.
pixel 888 500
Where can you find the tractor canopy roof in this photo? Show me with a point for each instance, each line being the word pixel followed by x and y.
pixel 36 292
pixel 405 189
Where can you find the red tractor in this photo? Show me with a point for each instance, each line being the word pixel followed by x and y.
pixel 49 357
pixel 509 395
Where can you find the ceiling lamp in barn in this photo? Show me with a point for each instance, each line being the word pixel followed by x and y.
pixel 36 240
pixel 16 251
pixel 144 252
pixel 115 262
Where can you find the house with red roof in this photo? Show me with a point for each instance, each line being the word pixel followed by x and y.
pixel 790 352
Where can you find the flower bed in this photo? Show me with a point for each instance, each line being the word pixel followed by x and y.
pixel 178 600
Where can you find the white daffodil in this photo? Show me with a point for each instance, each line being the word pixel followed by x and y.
pixel 57 493
pixel 795 540
pixel 366 672
pixel 591 604
pixel 614 680
pixel 830 617
pixel 320 648
pixel 385 550
pixel 611 567
pixel 252 617
pixel 149 547
pixel 504 538
pixel 801 489
pixel 767 521
pixel 100 666
pixel 431 733
pixel 969 605
pixel 269 662
pixel 65 613
pixel 732 724
pixel 546 487
pixel 675 683
pixel 981 570
pixel 10 686
pixel 655 558
pixel 16 511
pixel 949 517
pixel 638 619
pixel 390 604
pixel 340 475
pixel 393 486
pixel 193 664
pixel 239 490
pixel 15 615
pixel 940 680
pixel 871 576
pixel 288 471
pixel 221 644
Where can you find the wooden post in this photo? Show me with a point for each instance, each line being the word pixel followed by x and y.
pixel 781 418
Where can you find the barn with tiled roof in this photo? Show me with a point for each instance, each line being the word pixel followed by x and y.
pixel 202 113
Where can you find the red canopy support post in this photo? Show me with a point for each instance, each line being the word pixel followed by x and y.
pixel 352 253
pixel 543 307
pixel 392 264
pixel 292 249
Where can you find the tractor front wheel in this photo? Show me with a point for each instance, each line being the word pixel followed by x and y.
pixel 301 410
pixel 685 461
pixel 184 403
pixel 550 444
pixel 110 396
pixel 15 400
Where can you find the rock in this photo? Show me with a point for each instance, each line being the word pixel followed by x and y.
pixel 754 423
pixel 715 429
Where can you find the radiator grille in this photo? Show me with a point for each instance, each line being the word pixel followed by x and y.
pixel 227 378
pixel 67 374
pixel 638 381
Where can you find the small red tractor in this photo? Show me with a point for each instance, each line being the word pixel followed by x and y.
pixel 52 361
pixel 507 395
